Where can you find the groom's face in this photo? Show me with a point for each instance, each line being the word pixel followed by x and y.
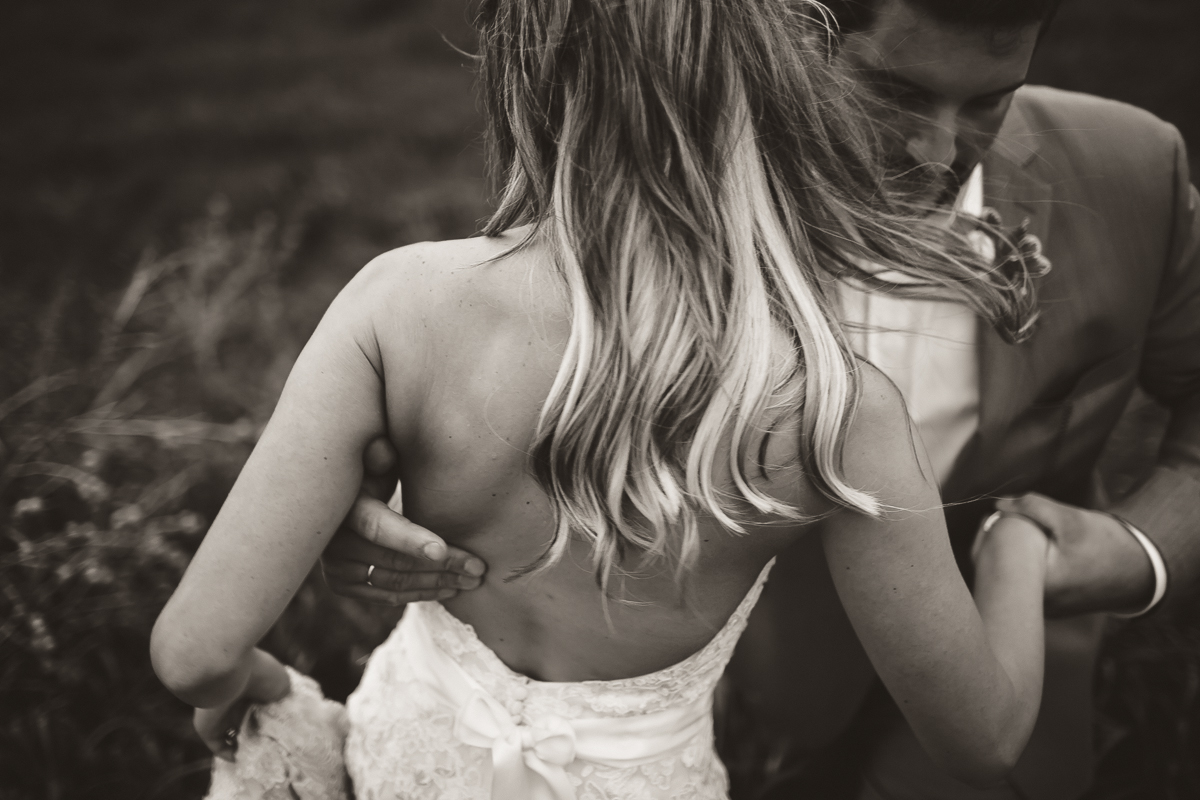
pixel 949 88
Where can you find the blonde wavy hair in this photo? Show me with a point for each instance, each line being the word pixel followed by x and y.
pixel 705 176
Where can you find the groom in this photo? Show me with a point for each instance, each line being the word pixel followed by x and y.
pixel 1104 188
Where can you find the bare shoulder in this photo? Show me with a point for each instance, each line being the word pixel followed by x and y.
pixel 881 411
pixel 417 274
pixel 879 445
pixel 434 290
pixel 883 451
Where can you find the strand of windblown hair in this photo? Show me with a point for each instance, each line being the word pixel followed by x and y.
pixel 704 181
pixel 638 337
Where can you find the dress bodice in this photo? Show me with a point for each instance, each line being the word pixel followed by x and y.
pixel 435 699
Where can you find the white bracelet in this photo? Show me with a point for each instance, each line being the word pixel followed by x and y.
pixel 1156 562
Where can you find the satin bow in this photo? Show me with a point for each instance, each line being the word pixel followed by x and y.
pixel 529 760
pixel 521 754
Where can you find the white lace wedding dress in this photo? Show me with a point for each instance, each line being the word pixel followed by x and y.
pixel 438 715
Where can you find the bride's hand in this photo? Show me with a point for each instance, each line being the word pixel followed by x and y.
pixel 218 726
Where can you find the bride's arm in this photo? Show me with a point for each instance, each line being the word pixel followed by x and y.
pixel 287 502
pixel 966 674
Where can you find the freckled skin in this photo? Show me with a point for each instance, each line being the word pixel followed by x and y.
pixel 460 397
pixel 497 351
pixel 474 376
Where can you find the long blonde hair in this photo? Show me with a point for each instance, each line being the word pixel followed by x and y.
pixel 705 177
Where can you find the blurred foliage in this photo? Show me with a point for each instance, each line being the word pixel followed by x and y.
pixel 1148 701
pixel 105 498
pixel 123 118
pixel 1147 682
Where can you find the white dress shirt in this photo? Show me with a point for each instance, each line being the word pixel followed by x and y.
pixel 928 349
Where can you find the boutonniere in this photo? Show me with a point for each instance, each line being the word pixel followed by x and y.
pixel 1018 252
pixel 1018 260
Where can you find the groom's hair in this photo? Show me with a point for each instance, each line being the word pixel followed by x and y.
pixel 855 15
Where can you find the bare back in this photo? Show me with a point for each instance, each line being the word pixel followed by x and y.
pixel 467 366
pixel 451 349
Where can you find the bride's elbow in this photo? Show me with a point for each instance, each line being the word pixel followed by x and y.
pixel 171 660
pixel 982 771
pixel 184 666
pixel 985 762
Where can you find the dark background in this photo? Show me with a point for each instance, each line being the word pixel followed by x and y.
pixel 122 119
pixel 184 186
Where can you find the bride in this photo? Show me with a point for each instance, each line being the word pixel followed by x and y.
pixel 627 397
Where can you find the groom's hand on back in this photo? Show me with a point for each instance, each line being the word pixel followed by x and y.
pixel 410 563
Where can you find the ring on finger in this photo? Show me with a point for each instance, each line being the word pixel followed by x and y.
pixel 230 737
pixel 370 569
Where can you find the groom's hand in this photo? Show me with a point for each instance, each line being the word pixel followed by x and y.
pixel 403 561
pixel 1094 563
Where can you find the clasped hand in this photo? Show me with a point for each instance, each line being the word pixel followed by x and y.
pixel 1093 563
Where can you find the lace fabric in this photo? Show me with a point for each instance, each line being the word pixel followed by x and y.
pixel 407 741
pixel 287 750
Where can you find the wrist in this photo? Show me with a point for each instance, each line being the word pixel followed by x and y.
pixel 268 681
pixel 1011 556
pixel 1007 535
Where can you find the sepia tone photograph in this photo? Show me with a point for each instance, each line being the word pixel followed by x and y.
pixel 600 399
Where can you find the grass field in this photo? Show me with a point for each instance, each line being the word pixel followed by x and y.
pixel 183 188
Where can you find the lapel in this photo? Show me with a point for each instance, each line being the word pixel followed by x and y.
pixel 1015 191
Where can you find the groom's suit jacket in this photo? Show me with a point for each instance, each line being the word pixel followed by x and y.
pixel 1105 188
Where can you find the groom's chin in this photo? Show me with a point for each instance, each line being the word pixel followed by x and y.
pixel 929 200
pixel 929 188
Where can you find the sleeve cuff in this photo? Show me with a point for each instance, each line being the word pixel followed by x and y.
pixel 1156 562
